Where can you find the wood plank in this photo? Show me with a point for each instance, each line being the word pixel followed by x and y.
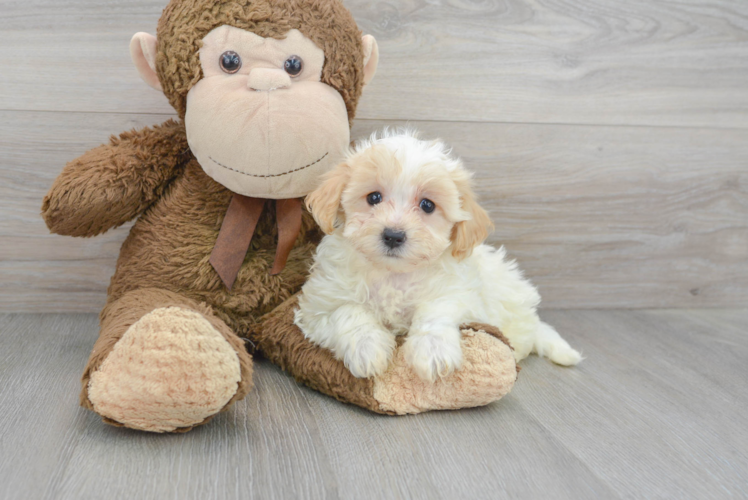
pixel 267 446
pixel 475 453
pixel 667 422
pixel 657 406
pixel 42 358
pixel 640 62
pixel 597 216
pixel 657 409
pixel 40 271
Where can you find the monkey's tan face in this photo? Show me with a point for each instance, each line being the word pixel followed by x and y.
pixel 260 121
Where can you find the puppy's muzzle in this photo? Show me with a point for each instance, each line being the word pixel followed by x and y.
pixel 393 239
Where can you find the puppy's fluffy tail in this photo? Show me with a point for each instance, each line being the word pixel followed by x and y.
pixel 549 344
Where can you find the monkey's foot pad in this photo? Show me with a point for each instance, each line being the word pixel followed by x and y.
pixel 488 373
pixel 171 369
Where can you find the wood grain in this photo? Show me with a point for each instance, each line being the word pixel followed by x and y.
pixel 656 410
pixel 609 144
pixel 639 62
pixel 597 216
pixel 662 380
pixel 643 215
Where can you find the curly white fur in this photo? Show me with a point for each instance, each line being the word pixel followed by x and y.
pixel 362 294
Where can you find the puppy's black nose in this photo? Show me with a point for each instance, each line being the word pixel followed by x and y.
pixel 392 238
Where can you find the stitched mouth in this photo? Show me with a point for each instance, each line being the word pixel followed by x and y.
pixel 270 175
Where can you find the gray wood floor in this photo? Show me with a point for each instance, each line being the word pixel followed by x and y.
pixel 657 410
pixel 609 141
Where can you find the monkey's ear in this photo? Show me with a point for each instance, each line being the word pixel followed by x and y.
pixel 143 53
pixel 371 58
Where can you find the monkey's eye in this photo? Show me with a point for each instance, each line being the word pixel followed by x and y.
pixel 293 65
pixel 230 62
pixel 374 198
pixel 427 205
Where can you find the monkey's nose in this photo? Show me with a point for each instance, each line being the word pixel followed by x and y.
pixel 392 238
pixel 268 79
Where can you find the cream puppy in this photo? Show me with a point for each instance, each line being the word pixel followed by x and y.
pixel 403 255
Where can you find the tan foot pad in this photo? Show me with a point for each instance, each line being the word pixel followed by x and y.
pixel 171 369
pixel 488 373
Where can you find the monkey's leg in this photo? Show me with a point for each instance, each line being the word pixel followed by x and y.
pixel 163 363
pixel 488 372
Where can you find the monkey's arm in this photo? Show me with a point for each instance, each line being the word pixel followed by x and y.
pixel 115 182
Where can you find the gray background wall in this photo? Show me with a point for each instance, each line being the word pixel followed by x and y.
pixel 609 139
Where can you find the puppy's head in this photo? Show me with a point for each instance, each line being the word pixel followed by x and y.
pixel 401 202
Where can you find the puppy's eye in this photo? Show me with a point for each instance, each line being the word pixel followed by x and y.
pixel 230 62
pixel 374 198
pixel 427 205
pixel 293 65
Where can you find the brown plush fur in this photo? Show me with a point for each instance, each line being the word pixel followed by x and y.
pixel 170 245
pixel 283 343
pixel 114 183
pixel 326 22
pixel 488 373
pixel 120 314
pixel 152 174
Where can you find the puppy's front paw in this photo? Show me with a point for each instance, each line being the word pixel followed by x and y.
pixel 369 355
pixel 433 356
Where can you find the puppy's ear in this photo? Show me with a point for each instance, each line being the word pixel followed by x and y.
pixel 324 202
pixel 473 231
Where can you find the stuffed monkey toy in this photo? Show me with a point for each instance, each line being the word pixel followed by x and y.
pixel 265 91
